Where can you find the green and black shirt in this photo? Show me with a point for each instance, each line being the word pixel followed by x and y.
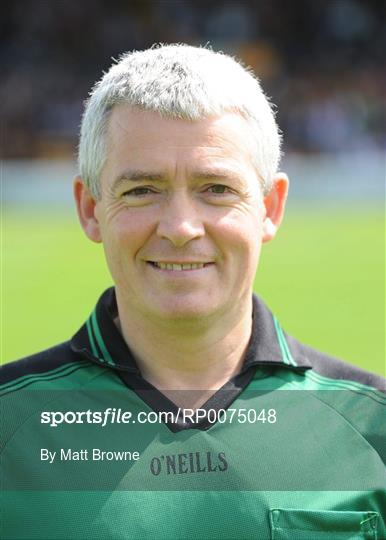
pixel 293 447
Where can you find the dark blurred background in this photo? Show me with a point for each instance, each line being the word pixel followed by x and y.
pixel 321 61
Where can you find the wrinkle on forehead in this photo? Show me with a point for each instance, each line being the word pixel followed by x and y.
pixel 145 128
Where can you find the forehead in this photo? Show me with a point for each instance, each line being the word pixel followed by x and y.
pixel 134 135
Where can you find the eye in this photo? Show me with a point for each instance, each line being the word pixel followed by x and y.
pixel 138 192
pixel 219 189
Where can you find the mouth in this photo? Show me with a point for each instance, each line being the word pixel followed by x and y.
pixel 179 267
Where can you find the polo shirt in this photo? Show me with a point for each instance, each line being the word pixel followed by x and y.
pixel 293 446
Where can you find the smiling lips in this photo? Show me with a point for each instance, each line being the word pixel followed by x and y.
pixel 179 266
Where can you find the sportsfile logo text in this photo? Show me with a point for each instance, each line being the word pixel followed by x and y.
pixel 113 415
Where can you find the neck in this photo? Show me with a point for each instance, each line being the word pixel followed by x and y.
pixel 185 355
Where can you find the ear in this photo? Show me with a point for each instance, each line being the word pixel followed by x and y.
pixel 85 205
pixel 274 203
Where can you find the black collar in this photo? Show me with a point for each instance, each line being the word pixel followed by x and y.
pixel 100 340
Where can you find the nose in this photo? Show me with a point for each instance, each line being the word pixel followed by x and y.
pixel 180 221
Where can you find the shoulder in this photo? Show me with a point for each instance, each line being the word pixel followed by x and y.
pixel 272 345
pixel 29 384
pixel 352 395
pixel 327 367
pixel 54 363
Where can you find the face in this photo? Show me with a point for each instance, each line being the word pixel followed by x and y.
pixel 181 216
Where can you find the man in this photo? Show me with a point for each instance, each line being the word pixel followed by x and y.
pixel 181 409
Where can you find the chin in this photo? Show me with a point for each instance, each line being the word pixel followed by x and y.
pixel 188 309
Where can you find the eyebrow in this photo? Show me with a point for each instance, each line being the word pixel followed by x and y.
pixel 137 176
pixel 144 176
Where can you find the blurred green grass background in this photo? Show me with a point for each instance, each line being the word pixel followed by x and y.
pixel 323 276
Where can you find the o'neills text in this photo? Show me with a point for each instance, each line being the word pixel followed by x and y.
pixel 192 462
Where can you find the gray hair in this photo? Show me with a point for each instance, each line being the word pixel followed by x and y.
pixel 178 81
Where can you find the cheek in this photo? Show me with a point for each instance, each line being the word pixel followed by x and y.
pixel 242 234
pixel 125 233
